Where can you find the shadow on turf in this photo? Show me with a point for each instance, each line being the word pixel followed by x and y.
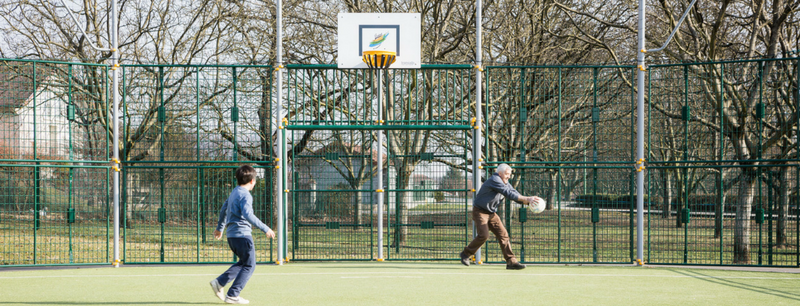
pixel 739 285
pixel 391 266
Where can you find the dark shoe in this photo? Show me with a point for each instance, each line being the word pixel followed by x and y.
pixel 464 259
pixel 515 266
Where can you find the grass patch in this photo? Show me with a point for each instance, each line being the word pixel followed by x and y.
pixel 547 237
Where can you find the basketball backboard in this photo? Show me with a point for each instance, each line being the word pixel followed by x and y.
pixel 394 32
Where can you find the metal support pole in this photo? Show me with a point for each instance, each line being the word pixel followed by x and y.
pixel 476 132
pixel 380 165
pixel 117 114
pixel 675 30
pixel 640 76
pixel 281 136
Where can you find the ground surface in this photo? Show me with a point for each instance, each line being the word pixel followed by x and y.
pixel 389 283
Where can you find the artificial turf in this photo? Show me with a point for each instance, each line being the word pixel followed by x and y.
pixel 391 283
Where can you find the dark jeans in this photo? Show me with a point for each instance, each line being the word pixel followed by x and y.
pixel 241 271
pixel 486 221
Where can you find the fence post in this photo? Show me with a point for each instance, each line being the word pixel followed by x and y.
pixel 380 164
pixel 162 117
pixel 721 157
pixel 640 60
pixel 632 186
pixel 476 132
pixel 595 208
pixel 683 214
pixel 640 208
pixel 560 88
pixel 760 209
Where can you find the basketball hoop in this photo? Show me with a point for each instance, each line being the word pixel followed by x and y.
pixel 378 59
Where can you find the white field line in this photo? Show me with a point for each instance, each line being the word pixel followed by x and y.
pixel 383 276
pixel 408 274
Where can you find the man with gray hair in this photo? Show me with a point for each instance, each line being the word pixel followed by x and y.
pixel 484 214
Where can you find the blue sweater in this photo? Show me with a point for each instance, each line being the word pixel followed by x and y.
pixel 237 215
pixel 492 192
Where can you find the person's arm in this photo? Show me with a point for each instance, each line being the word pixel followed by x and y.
pixel 506 190
pixel 520 198
pixel 247 213
pixel 223 219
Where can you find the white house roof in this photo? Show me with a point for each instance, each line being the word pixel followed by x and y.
pixel 348 148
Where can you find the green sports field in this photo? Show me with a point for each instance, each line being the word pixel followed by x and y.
pixel 387 283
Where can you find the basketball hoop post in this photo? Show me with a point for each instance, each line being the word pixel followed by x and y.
pixel 379 60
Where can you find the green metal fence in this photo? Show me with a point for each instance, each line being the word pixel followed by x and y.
pixel 334 161
pixel 427 179
pixel 722 161
pixel 567 132
pixel 54 150
pixel 187 129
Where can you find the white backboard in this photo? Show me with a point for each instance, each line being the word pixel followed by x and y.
pixel 387 32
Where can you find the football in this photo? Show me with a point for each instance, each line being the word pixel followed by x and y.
pixel 538 205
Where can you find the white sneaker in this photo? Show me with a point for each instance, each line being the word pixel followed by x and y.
pixel 236 300
pixel 218 289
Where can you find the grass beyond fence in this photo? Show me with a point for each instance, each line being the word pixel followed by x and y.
pixel 539 240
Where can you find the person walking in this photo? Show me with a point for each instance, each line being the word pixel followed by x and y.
pixel 237 215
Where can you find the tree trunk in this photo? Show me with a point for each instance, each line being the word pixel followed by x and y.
pixel 402 217
pixel 681 198
pixel 719 209
pixel 741 231
pixel 276 198
pixel 667 205
pixel 357 207
pixel 781 240
pixel 551 189
pixel 401 200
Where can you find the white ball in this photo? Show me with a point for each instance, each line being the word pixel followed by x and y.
pixel 538 205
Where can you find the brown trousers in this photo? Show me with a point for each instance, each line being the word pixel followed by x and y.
pixel 486 221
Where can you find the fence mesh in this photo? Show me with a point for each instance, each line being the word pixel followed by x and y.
pixel 722 172
pixel 187 129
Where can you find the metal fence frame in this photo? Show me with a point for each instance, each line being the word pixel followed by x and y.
pixel 595 225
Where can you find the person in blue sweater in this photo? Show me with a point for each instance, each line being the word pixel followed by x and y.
pixel 484 214
pixel 237 215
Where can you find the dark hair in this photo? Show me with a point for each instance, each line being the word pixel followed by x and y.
pixel 245 174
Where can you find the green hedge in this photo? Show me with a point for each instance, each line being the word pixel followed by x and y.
pixel 697 202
